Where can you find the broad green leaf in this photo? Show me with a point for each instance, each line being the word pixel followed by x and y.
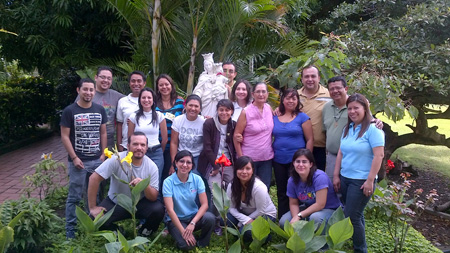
pixel 123 241
pixel 246 228
pixel 108 235
pixel 137 241
pixel 255 246
pixel 121 180
pixel 383 183
pixel 288 228
pixel 136 192
pixel 101 220
pixel 16 219
pixel 321 228
pixel 296 244
pixel 316 243
pixel 275 228
pixel 260 228
pixel 236 247
pixel 340 232
pixel 280 247
pixel 6 237
pixel 125 202
pixel 305 229
pixel 337 215
pixel 233 231
pixel 220 198
pixel 113 247
pixel 85 220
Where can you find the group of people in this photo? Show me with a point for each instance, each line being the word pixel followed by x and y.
pixel 319 142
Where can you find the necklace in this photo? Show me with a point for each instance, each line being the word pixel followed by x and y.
pixel 337 116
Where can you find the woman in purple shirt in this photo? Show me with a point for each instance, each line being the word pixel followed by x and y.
pixel 292 131
pixel 310 191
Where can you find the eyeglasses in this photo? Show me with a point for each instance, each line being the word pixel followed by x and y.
pixel 228 71
pixel 105 77
pixel 184 162
pixel 301 161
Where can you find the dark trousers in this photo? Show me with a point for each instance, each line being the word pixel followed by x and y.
pixel 320 155
pixel 151 211
pixel 282 173
pixel 206 224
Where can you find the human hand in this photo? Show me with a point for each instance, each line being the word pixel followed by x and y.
pixel 214 173
pixel 249 222
pixel 135 181
pixel 188 236
pixel 119 148
pixel 78 163
pixel 294 219
pixel 103 157
pixel 378 123
pixel 171 170
pixel 239 138
pixel 96 210
pixel 367 188
pixel 336 183
pixel 276 112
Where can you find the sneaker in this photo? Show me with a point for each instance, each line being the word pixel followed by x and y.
pixel 165 232
pixel 145 232
pixel 218 231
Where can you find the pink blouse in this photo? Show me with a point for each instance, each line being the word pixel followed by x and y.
pixel 257 143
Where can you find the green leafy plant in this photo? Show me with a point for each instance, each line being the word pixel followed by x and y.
pixel 7 231
pixel 47 177
pixel 390 200
pixel 260 231
pixel 304 236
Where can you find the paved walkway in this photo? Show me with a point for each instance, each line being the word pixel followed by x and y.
pixel 14 165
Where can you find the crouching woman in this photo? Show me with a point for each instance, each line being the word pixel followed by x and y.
pixel 310 191
pixel 180 191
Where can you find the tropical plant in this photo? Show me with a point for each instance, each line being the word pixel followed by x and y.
pixel 7 230
pixel 46 178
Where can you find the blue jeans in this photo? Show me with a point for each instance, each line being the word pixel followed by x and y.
pixel 355 201
pixel 264 171
pixel 78 183
pixel 318 217
pixel 157 157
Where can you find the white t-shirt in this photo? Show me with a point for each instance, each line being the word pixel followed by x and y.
pixel 111 166
pixel 237 111
pixel 190 134
pixel 126 106
pixel 150 130
pixel 222 143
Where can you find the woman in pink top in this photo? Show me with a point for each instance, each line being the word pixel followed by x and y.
pixel 255 125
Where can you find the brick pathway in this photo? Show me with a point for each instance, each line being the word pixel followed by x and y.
pixel 14 165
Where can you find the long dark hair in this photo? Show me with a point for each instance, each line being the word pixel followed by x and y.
pixel 236 186
pixel 173 93
pixel 309 155
pixel 248 87
pixel 140 112
pixel 367 116
pixel 290 92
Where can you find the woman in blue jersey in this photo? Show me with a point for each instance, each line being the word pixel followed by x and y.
pixel 357 164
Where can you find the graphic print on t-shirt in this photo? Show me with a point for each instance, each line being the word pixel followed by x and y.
pixel 190 137
pixel 304 197
pixel 87 133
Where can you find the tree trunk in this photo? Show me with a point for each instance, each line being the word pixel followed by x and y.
pixel 156 39
pixel 190 84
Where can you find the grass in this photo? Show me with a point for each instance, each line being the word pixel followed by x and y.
pixel 436 158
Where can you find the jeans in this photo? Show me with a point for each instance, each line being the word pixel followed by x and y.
pixel 331 162
pixel 233 223
pixel 151 211
pixel 158 158
pixel 78 183
pixel 355 201
pixel 282 173
pixel 264 171
pixel 320 156
pixel 318 217
pixel 206 224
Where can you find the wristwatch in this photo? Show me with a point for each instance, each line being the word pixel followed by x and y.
pixel 300 215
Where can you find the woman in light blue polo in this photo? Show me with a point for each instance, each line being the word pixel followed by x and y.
pixel 357 164
pixel 180 191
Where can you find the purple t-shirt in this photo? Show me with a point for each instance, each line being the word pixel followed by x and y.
pixel 307 194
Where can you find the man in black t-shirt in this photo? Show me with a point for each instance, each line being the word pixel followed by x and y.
pixel 83 134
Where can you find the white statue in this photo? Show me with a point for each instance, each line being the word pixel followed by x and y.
pixel 211 86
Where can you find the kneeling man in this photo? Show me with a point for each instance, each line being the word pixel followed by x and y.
pixel 142 167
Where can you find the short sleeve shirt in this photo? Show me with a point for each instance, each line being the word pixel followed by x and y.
pixel 144 125
pixel 111 166
pixel 190 134
pixel 126 106
pixel 84 124
pixel 184 194
pixel 306 194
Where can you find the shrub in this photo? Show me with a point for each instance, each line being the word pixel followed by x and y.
pixel 25 103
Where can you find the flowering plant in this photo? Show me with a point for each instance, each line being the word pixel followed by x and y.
pixel 125 161
pixel 389 166
pixel 220 198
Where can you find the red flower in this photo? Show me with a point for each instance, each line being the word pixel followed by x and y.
pixel 390 164
pixel 223 160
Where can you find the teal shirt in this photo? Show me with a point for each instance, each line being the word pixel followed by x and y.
pixel 184 194
pixel 334 121
pixel 357 154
